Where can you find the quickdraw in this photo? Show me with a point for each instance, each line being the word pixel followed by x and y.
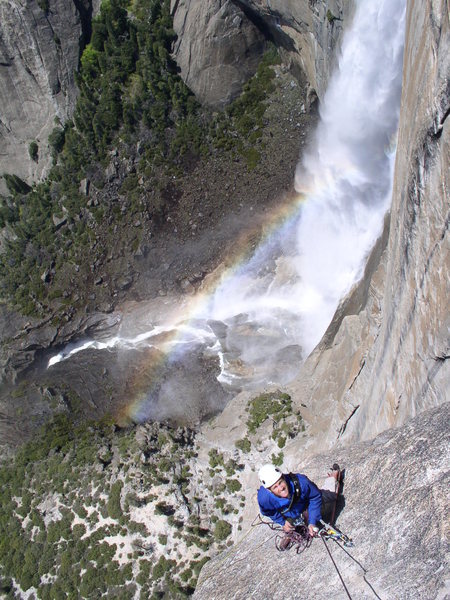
pixel 329 532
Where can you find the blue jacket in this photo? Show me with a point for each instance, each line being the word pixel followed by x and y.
pixel 310 498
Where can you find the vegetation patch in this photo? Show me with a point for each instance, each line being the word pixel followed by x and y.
pixel 88 510
pixel 222 530
pixel 244 445
pixel 130 95
pixel 275 405
pixel 33 151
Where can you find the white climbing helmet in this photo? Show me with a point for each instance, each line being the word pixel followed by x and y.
pixel 268 475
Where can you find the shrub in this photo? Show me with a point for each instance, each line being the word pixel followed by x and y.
pixel 44 5
pixel 244 445
pixel 215 458
pixel 197 566
pixel 33 151
pixel 162 567
pixel 162 508
pixel 233 485
pixel 130 183
pixel 331 18
pixel 113 505
pixel 144 572
pixel 277 459
pixel 222 530
pixel 56 141
pixel 16 185
pixel 275 404
pixel 230 467
pixel 281 442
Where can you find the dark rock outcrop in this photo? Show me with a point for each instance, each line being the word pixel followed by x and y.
pixel 218 48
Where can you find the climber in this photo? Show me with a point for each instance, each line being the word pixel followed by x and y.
pixel 290 499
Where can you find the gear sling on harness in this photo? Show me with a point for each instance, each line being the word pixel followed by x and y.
pixel 299 520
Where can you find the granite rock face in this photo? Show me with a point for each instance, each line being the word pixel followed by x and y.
pixel 379 370
pixel 385 356
pixel 39 53
pixel 395 510
pixel 219 42
pixel 217 49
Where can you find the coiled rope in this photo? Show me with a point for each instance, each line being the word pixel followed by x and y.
pixel 301 539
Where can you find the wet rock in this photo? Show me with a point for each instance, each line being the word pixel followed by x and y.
pixel 384 356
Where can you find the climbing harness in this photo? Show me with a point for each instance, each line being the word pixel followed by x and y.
pixel 300 539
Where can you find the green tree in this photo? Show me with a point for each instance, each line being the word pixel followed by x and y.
pixel 113 505
pixel 222 530
pixel 33 151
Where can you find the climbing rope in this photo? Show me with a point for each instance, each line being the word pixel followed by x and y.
pixel 359 565
pixel 335 566
pixel 300 538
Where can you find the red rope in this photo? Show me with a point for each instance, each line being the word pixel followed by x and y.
pixel 300 539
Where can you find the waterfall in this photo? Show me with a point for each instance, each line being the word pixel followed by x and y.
pixel 270 311
pixel 349 172
pixel 345 182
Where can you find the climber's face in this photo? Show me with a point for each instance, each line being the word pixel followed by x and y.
pixel 280 488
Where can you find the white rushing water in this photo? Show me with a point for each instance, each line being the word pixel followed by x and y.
pixel 284 297
pixel 346 178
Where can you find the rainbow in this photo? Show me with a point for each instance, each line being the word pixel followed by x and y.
pixel 172 341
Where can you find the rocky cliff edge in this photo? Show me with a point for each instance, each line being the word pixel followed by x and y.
pixel 385 356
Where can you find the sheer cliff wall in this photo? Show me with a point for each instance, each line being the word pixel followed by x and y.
pixel 219 45
pixel 219 41
pixel 39 54
pixel 384 357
